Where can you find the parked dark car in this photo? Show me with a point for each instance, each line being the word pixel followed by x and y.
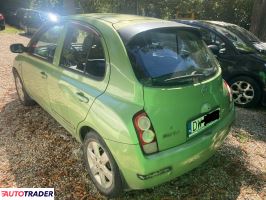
pixel 243 65
pixel 10 17
pixel 245 35
pixel 19 17
pixel 33 19
pixel 15 17
pixel 2 22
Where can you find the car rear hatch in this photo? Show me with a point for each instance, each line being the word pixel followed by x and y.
pixel 171 110
pixel 181 81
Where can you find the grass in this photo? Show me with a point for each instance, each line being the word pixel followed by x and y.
pixel 11 30
pixel 242 137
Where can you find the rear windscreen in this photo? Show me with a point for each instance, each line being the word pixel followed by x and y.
pixel 170 57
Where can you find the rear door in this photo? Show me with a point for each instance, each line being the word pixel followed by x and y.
pixel 38 61
pixel 80 76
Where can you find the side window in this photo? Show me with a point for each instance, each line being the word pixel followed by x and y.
pixel 83 52
pixel 45 45
pixel 212 39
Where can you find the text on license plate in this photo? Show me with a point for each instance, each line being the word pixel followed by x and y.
pixel 202 122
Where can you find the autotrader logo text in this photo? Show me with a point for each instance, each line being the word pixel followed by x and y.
pixel 27 193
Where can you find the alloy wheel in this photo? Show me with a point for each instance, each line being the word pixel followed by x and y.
pixel 99 164
pixel 242 92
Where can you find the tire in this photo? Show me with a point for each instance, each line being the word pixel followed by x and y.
pixel 97 162
pixel 23 96
pixel 246 91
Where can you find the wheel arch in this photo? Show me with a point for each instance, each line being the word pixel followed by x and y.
pixel 249 75
pixel 83 132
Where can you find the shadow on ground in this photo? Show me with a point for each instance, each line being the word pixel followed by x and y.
pixel 42 154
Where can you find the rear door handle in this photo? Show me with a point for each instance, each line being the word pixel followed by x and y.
pixel 82 97
pixel 44 75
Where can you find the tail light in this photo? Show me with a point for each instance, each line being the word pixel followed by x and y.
pixel 146 134
pixel 1 17
pixel 229 91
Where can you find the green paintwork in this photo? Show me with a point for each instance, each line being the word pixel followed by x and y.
pixel 119 96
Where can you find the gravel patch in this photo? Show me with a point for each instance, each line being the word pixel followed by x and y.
pixel 35 151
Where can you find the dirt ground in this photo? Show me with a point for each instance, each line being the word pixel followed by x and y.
pixel 35 151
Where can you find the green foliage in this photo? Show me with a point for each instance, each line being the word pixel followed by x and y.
pixel 45 4
pixel 13 4
pixel 110 6
pixel 11 30
pixel 234 11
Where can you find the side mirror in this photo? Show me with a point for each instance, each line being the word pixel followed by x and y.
pixel 17 48
pixel 214 48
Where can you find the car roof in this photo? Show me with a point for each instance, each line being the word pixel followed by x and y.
pixel 128 25
pixel 119 21
pixel 220 23
pixel 23 9
pixel 115 18
pixel 207 23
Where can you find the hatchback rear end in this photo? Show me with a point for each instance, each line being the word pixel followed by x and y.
pixel 188 108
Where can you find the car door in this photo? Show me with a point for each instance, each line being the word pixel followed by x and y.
pixel 226 55
pixel 38 61
pixel 81 75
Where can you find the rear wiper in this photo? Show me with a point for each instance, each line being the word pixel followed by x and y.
pixel 184 77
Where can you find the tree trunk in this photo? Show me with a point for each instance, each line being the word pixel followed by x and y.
pixel 258 19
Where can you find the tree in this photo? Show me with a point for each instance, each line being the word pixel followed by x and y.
pixel 233 11
pixel 13 4
pixel 258 19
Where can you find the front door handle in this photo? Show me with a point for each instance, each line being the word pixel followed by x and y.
pixel 44 75
pixel 82 97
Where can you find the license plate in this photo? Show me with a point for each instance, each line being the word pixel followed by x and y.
pixel 203 122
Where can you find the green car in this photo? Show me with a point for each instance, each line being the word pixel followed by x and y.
pixel 145 96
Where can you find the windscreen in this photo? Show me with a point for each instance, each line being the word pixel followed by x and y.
pixel 171 57
pixel 244 33
pixel 237 39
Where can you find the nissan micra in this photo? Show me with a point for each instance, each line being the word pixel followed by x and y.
pixel 145 96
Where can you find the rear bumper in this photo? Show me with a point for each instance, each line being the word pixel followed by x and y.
pixel 142 172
